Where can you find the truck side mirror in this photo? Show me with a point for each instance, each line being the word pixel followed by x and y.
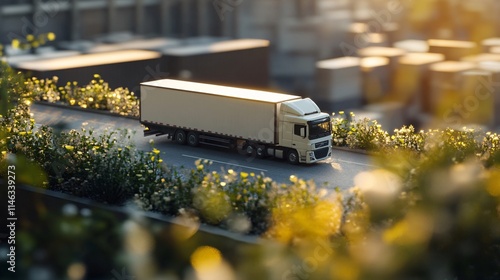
pixel 303 132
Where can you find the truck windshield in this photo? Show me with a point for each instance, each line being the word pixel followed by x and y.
pixel 319 128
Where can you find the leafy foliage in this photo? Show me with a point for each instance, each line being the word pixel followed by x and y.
pixel 459 144
pixel 96 95
pixel 33 42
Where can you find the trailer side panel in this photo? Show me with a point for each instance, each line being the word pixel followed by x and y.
pixel 214 114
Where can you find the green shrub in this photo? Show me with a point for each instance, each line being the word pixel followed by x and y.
pixel 490 149
pixel 32 42
pixel 217 198
pixel 105 167
pixel 96 95
pixel 459 144
pixel 366 134
pixel 340 129
pixel 407 139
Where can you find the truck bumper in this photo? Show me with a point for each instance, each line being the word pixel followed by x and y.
pixel 317 155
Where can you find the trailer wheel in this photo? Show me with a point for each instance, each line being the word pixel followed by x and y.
pixel 292 157
pixel 180 137
pixel 261 151
pixel 193 139
pixel 249 150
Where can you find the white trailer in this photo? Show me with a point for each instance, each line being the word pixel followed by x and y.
pixel 258 122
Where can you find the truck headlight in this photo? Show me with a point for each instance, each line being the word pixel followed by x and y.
pixel 311 155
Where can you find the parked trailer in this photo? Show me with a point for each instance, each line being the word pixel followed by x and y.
pixel 257 122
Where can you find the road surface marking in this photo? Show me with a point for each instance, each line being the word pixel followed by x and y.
pixel 227 163
pixel 352 162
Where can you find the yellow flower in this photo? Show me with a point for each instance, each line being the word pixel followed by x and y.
pixel 15 43
pixel 153 158
pixel 199 167
pixel 156 151
pixel 243 175
pixel 69 147
pixel 160 160
pixel 30 37
pixel 4 152
pixel 293 179
pixel 51 36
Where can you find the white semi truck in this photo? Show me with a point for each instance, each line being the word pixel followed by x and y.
pixel 256 122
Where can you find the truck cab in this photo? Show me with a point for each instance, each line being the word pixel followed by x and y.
pixel 305 131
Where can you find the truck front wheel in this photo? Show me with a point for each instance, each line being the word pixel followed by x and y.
pixel 180 137
pixel 292 157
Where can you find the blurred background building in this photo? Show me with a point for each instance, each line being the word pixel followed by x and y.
pixel 418 62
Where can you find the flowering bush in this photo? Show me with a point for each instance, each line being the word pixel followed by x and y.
pixel 490 148
pixel 96 95
pixel 106 167
pixel 237 201
pixel 340 129
pixel 406 138
pixel 366 134
pixel 32 42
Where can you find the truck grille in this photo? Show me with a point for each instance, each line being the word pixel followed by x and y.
pixel 321 144
pixel 321 153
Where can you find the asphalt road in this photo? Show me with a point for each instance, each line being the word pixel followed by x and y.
pixel 338 171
